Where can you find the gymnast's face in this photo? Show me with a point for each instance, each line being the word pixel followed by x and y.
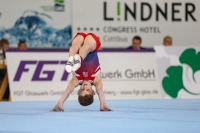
pixel 86 88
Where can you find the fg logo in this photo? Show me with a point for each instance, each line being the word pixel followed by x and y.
pixel 39 70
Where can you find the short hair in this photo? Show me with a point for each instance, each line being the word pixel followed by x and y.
pixel 137 38
pixel 20 42
pixel 167 37
pixel 85 100
pixel 3 41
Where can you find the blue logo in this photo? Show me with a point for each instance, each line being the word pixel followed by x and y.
pixel 59 5
pixel 37 31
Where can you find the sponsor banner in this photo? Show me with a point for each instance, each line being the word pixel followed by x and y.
pixel 117 21
pixel 40 75
pixel 179 72
pixel 43 23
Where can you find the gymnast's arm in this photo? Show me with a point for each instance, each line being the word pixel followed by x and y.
pixel 73 83
pixel 99 89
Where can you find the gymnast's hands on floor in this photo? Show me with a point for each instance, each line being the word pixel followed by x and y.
pixel 58 108
pixel 104 107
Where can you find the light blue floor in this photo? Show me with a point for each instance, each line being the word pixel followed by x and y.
pixel 137 116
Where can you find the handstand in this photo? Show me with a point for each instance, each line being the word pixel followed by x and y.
pixel 84 63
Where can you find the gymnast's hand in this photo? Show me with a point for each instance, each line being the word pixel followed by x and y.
pixel 58 108
pixel 104 107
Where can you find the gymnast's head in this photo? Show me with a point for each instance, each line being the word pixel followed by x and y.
pixel 86 93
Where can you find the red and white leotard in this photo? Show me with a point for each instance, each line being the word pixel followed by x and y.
pixel 89 69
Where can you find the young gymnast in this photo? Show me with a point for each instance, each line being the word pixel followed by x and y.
pixel 84 63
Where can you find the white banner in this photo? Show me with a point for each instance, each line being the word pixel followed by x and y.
pixel 179 71
pixel 40 75
pixel 116 22
pixel 41 23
